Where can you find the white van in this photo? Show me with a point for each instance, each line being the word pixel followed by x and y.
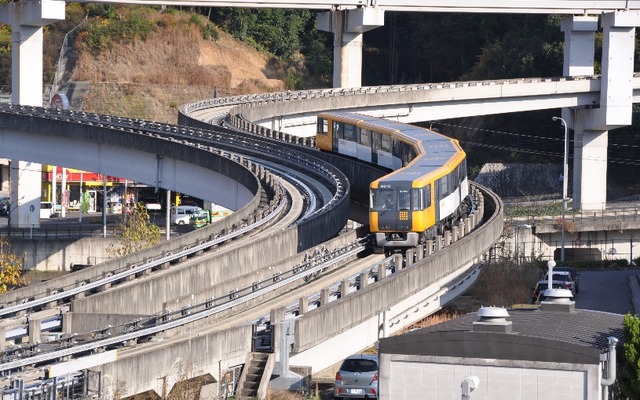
pixel 180 215
pixel 47 210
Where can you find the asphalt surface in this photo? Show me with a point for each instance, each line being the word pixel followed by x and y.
pixel 607 290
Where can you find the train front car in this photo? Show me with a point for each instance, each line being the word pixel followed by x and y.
pixel 427 190
pixel 419 201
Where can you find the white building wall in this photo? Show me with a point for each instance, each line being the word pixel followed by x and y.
pixel 411 379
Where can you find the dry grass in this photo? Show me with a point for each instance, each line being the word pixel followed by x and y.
pixel 284 395
pixel 501 284
pixel 174 65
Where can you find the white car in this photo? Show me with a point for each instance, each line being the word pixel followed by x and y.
pixel 181 215
pixel 565 277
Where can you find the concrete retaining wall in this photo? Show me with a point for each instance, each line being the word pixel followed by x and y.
pixel 158 366
pixel 147 295
pixel 60 254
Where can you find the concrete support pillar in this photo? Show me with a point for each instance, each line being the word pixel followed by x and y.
pixel 409 255
pixel 382 272
pixel 324 297
pixel 384 324
pixel 616 88
pixel 419 252
pixel 438 242
pixel 3 339
pixel 429 247
pixel 34 330
pixel 461 229
pixel 455 232
pixel 67 322
pixel 27 19
pixel 397 259
pixel 303 305
pixel 364 280
pixel 591 126
pixel 447 238
pixel 348 27
pixel 344 288
pixel 275 317
pixel 589 165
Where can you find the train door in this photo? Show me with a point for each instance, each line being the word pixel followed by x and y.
pixel 336 134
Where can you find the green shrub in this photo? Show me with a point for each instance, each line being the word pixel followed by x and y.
pixel 109 26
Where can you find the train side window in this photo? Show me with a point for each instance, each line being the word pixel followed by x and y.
pixel 350 132
pixel 385 142
pixel 365 137
pixel 427 195
pixel 417 199
pixel 323 126
pixel 376 141
pixel 444 187
pixel 404 199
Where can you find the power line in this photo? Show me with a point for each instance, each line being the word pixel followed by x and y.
pixel 613 160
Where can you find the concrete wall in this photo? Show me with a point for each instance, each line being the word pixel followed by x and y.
pixel 148 295
pixel 608 240
pixel 60 254
pixel 158 366
pixel 80 323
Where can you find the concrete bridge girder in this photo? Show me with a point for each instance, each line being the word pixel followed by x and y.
pixel 168 172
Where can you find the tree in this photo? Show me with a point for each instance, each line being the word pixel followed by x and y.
pixel 11 272
pixel 134 233
pixel 629 363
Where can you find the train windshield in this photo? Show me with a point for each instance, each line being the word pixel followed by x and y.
pixel 382 199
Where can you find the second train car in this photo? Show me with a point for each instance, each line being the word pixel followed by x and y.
pixel 426 192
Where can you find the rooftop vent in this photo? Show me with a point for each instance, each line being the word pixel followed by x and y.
pixel 558 300
pixel 492 319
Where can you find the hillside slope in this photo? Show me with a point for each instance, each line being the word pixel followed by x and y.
pixel 174 65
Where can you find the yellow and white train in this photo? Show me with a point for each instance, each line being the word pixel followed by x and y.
pixel 427 190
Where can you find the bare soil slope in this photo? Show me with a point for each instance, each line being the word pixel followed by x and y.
pixel 150 79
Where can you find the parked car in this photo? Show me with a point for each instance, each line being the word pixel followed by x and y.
pixel 563 276
pixel 574 273
pixel 151 204
pixel 180 215
pixel 47 210
pixel 357 378
pixel 537 293
pixel 4 206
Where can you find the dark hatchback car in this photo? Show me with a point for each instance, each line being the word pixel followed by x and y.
pixel 4 207
pixel 357 378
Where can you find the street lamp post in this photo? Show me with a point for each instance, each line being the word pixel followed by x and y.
pixel 565 179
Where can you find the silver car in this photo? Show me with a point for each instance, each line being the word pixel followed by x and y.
pixel 357 378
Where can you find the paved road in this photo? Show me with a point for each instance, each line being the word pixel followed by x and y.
pixel 606 290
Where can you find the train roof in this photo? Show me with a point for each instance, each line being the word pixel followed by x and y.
pixel 434 149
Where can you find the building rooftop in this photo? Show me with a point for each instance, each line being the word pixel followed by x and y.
pixel 553 335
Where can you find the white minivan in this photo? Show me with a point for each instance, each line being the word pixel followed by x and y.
pixel 47 210
pixel 180 215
